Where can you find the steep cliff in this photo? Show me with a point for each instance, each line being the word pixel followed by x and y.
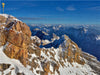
pixel 23 54
pixel 16 36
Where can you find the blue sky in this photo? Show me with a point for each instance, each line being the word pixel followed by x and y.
pixel 54 12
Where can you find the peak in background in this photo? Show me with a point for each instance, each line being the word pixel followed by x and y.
pixel 23 52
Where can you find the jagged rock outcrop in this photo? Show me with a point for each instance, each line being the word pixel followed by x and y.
pixel 4 66
pixel 72 52
pixel 68 51
pixel 61 57
pixel 92 62
pixel 16 35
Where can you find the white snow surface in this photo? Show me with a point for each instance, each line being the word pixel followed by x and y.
pixel 7 16
pixel 37 39
pixel 46 42
pixel 68 69
pixel 76 69
pixel 18 67
pixel 98 37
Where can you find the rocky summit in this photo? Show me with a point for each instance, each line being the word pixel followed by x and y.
pixel 23 54
pixel 16 35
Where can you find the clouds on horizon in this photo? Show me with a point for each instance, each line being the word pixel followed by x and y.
pixel 29 18
pixel 71 8
pixel 68 8
pixel 39 18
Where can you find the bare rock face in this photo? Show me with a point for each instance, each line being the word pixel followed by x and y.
pixel 4 66
pixel 20 26
pixel 17 42
pixel 72 52
pixel 16 35
pixel 6 19
pixel 18 39
pixel 16 52
pixel 2 19
pixel 3 38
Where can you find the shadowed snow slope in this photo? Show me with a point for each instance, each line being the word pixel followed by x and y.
pixel 23 54
pixel 87 37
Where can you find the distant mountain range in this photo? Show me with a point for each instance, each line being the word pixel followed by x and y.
pixel 48 51
pixel 87 36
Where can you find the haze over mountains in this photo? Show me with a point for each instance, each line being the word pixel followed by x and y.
pixel 41 54
pixel 86 36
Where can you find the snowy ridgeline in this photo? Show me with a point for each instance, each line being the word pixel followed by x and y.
pixel 8 18
pixel 68 69
pixel 51 55
pixel 86 36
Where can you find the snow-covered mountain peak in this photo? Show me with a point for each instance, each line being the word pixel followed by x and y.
pixel 6 15
pixel 9 16
pixel 65 37
pixel 98 37
pixel 23 54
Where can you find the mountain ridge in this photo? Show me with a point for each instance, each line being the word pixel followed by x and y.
pixel 26 57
